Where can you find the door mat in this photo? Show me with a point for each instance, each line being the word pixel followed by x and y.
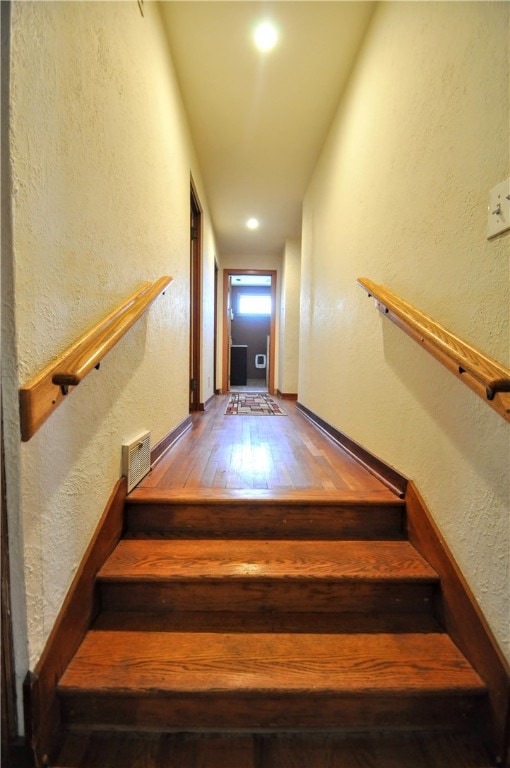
pixel 252 404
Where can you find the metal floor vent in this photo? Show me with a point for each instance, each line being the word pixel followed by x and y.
pixel 136 459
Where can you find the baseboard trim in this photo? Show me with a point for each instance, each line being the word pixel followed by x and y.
pixel 462 618
pixel 18 755
pixel 205 406
pixel 166 442
pixel 392 479
pixel 42 712
pixel 287 395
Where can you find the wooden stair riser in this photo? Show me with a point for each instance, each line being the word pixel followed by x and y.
pixel 268 621
pixel 422 749
pixel 268 712
pixel 267 521
pixel 247 595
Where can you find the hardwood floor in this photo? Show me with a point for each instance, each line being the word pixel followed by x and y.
pixel 280 453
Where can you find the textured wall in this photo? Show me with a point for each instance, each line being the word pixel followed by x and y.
pixel 101 162
pixel 289 317
pixel 400 196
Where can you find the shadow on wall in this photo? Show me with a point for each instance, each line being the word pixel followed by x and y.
pixel 445 399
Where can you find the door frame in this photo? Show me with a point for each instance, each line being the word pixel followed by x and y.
pixel 227 274
pixel 195 313
pixel 215 340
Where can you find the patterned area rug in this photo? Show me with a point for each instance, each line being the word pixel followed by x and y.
pixel 252 404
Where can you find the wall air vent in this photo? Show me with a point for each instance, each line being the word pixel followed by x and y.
pixel 136 459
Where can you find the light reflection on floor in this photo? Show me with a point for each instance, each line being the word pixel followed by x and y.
pixel 248 459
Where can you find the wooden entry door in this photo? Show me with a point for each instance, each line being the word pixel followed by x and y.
pixel 195 298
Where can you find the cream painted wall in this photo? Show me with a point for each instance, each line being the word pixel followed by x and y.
pixel 248 262
pixel 289 317
pixel 101 161
pixel 399 195
pixel 208 318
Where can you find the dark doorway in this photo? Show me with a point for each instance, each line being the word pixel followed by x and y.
pixel 195 299
pixel 216 277
pixel 249 330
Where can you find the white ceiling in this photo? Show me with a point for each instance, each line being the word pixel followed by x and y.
pixel 258 121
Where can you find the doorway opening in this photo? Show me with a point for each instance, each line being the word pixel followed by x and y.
pixel 195 299
pixel 249 310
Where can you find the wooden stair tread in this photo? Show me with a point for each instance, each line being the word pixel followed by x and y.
pixel 160 663
pixel 135 559
pixel 261 496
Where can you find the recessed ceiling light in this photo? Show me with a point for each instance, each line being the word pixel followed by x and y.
pixel 265 36
pixel 252 223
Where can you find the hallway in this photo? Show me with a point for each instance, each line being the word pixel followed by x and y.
pixel 277 453
pixel 110 111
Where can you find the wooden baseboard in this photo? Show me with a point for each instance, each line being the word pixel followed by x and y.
pixel 462 618
pixel 392 479
pixel 287 395
pixel 205 406
pixel 42 714
pixel 166 442
pixel 18 755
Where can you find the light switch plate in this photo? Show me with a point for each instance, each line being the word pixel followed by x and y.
pixel 498 212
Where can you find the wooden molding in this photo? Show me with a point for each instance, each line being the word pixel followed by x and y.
pixel 205 406
pixel 18 755
pixel 42 711
pixel 392 479
pixel 287 395
pixel 46 391
pixel 195 298
pixel 166 442
pixel 482 374
pixel 8 678
pixel 464 621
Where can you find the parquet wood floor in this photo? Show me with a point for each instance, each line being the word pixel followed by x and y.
pixel 279 453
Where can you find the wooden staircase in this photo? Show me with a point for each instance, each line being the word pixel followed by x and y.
pixel 269 615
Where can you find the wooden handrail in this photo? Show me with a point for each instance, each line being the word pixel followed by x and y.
pixel 481 373
pixel 44 393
